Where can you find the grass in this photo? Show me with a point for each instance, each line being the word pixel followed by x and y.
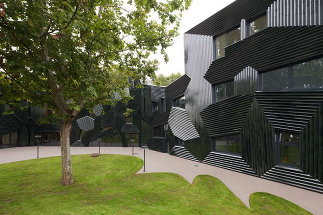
pixel 108 185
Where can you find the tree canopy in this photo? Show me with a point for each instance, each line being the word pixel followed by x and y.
pixel 164 80
pixel 65 55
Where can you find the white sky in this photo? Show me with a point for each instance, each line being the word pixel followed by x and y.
pixel 198 12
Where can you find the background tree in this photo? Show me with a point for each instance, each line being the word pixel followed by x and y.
pixel 162 80
pixel 65 55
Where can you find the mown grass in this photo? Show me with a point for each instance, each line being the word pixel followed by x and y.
pixel 108 184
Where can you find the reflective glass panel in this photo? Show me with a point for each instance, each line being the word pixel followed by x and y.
pixel 234 36
pixel 289 147
pixel 221 44
pixel 221 144
pixel 234 145
pixel 258 25
pixel 304 76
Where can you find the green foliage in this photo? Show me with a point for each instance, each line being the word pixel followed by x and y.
pixel 65 55
pixel 162 80
pixel 108 184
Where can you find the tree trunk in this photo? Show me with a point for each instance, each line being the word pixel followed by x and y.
pixel 66 127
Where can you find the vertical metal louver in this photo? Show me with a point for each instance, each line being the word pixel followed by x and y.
pixel 283 13
pixel 181 125
pixel 246 81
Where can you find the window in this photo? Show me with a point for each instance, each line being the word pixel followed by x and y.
pixel 223 91
pixel 179 142
pixel 159 131
pixel 304 76
pixel 163 105
pixel 288 148
pixel 154 106
pixel 229 144
pixel 225 40
pixel 180 102
pixel 258 25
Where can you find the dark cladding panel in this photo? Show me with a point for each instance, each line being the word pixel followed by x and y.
pixel 226 117
pixel 160 119
pixel 177 88
pixel 230 17
pixel 267 50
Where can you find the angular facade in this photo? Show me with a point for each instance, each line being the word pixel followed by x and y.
pixel 253 92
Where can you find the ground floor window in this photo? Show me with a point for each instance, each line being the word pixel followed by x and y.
pixel 179 142
pixel 9 140
pixel 228 144
pixel 159 131
pixel 288 148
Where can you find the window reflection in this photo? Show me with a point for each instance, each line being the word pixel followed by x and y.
pixel 229 144
pixel 225 40
pixel 258 25
pixel 223 91
pixel 304 76
pixel 180 102
pixel 288 148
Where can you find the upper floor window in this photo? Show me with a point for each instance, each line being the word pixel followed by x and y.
pixel 303 76
pixel 257 25
pixel 154 106
pixel 223 91
pixel 225 40
pixel 179 102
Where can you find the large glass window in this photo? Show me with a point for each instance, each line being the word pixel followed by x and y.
pixel 258 25
pixel 288 147
pixel 304 76
pixel 229 144
pixel 223 91
pixel 225 40
pixel 180 102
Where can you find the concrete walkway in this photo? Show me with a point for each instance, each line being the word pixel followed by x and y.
pixel 240 184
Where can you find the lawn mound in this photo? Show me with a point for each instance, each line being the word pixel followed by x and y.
pixel 108 184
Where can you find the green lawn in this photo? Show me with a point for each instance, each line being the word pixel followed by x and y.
pixel 108 185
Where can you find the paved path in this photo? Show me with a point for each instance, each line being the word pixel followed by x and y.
pixel 240 184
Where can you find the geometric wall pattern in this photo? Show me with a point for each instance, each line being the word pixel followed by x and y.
pixel 181 125
pixel 86 123
pixel 284 13
pixel 246 81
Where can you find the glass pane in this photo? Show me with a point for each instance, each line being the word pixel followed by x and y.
pixel 221 44
pixel 220 92
pixel 289 147
pixel 221 144
pixel 276 80
pixel 234 36
pixel 290 155
pixel 258 25
pixel 182 102
pixel 229 89
pixel 234 145
pixel 308 75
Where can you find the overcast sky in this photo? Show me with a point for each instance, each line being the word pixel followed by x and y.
pixel 198 12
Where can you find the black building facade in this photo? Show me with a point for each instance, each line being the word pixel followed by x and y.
pixel 252 96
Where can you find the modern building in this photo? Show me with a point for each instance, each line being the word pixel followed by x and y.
pixel 252 97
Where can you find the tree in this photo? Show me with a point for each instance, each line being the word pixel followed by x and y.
pixel 66 55
pixel 162 80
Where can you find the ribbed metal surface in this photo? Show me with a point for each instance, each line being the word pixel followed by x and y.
pixel 267 50
pixel 284 13
pixel 227 161
pixel 98 110
pixel 160 119
pixel 182 152
pixel 226 117
pixel 294 177
pixel 246 81
pixel 177 88
pixel 86 123
pixel 230 17
pixel 198 58
pixel 181 124
pixel 158 144
pixel 289 111
pixel 257 139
